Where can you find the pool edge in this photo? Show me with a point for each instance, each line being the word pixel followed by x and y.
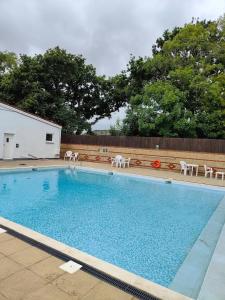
pixel 105 171
pixel 198 259
pixel 130 279
pixel 213 283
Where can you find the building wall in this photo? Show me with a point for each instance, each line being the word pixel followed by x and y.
pixel 30 134
pixel 143 158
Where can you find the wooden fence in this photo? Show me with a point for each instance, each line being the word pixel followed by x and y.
pixel 180 144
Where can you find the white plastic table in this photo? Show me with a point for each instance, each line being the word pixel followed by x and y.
pixel 193 166
pixel 220 173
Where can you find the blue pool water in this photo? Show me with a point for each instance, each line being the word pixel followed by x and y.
pixel 144 226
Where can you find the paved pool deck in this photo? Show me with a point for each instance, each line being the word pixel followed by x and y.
pixel 31 273
pixel 133 170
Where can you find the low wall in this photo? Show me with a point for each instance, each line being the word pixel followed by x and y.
pixel 143 158
pixel 164 143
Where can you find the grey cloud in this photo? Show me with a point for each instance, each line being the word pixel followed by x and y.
pixel 105 32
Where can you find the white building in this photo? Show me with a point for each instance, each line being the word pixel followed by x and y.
pixel 23 135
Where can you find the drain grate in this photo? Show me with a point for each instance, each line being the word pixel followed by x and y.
pixel 86 268
pixel 119 284
pixel 140 294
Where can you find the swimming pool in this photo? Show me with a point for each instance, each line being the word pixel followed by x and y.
pixel 144 226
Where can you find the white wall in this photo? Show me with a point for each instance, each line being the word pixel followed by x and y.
pixel 29 133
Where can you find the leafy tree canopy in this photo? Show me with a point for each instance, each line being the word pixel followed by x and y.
pixel 61 87
pixel 8 60
pixel 180 90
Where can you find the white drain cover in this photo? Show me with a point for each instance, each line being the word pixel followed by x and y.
pixel 2 230
pixel 70 267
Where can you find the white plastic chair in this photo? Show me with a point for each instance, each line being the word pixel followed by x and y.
pixel 75 156
pixel 126 162
pixel 113 161
pixel 69 155
pixel 208 171
pixel 117 160
pixel 184 168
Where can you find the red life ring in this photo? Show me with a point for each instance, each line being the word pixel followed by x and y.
pixel 156 164
pixel 171 166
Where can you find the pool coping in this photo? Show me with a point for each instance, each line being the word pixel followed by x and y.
pixel 104 171
pixel 148 177
pixel 154 290
pixel 138 282
pixel 197 261
pixel 213 283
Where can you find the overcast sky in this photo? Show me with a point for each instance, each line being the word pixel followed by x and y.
pixel 106 32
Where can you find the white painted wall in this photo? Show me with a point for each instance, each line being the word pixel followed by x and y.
pixel 30 133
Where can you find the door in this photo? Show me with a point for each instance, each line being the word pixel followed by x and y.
pixel 8 146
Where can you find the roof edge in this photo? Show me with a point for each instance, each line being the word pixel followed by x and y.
pixel 33 116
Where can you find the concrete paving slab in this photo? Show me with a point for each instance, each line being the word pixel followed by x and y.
pixel 77 284
pixel 8 267
pixel 29 256
pixel 5 237
pixel 48 268
pixel 20 284
pixel 12 246
pixel 49 292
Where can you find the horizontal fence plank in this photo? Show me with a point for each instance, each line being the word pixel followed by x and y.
pixel 180 144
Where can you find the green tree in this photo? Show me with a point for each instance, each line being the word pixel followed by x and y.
pixel 8 60
pixel 116 129
pixel 180 90
pixel 61 87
